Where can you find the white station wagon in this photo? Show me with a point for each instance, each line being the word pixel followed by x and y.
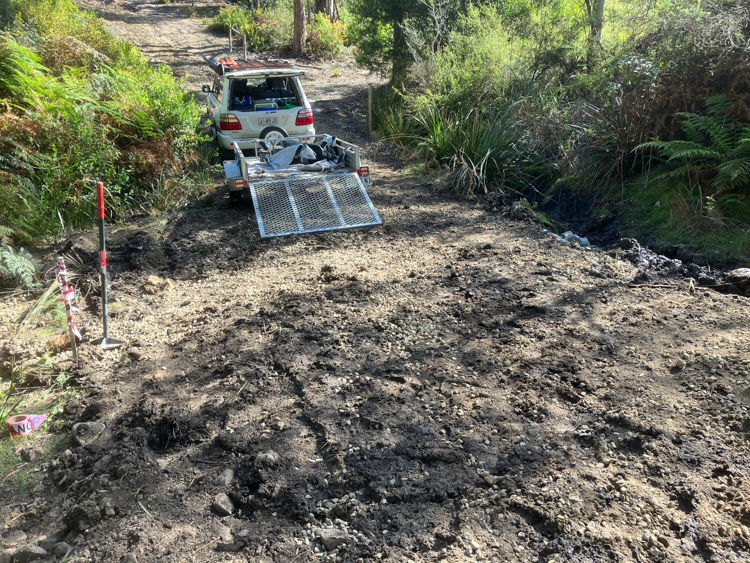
pixel 257 100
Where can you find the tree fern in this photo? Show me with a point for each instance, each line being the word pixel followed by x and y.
pixel 18 264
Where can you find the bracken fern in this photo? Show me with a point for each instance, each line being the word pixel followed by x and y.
pixel 18 264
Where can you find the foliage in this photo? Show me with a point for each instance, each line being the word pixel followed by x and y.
pixel 268 28
pixel 95 111
pixel 715 156
pixel 69 36
pixel 325 39
pixel 577 114
pixel 7 14
pixel 20 71
pixel 7 402
pixel 18 264
pixel 375 29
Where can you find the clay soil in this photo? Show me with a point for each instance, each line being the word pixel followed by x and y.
pixel 452 386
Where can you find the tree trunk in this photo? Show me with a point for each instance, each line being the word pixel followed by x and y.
pixel 596 19
pixel 400 55
pixel 300 33
pixel 595 14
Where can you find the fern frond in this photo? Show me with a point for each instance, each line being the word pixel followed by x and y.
pixel 18 264
pixel 732 173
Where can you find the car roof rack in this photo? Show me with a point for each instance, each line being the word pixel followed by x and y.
pixel 225 65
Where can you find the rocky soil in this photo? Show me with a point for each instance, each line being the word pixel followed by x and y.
pixel 452 386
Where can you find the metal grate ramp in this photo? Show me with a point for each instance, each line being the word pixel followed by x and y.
pixel 310 204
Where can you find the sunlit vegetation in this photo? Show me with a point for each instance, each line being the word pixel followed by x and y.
pixel 624 111
pixel 81 106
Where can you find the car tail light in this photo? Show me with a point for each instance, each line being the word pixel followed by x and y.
pixel 240 184
pixel 304 117
pixel 364 170
pixel 229 122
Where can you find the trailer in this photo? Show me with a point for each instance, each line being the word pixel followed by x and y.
pixel 303 184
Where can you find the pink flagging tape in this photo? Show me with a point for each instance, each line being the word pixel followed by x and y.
pixel 22 424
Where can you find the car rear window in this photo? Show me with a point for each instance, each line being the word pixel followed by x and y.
pixel 249 94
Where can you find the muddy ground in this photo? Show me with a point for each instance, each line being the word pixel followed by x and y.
pixel 454 385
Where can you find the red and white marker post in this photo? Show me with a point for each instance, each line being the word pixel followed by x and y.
pixel 106 342
pixel 68 294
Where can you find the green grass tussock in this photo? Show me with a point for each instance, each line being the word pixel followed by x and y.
pixel 519 95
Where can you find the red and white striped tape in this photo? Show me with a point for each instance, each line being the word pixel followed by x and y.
pixel 68 296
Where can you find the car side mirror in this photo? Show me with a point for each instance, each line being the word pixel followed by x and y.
pixel 206 88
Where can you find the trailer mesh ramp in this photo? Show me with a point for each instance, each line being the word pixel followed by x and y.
pixel 308 205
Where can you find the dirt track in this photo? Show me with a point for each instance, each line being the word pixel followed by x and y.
pixel 452 386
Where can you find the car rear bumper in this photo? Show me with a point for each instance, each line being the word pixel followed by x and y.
pixel 226 141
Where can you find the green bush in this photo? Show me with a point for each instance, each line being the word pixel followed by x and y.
pixel 266 28
pixel 232 16
pixel 120 121
pixel 325 39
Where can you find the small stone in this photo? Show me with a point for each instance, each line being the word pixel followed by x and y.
pixel 491 480
pixel 28 553
pixel 84 433
pixel 135 353
pixel 332 538
pixel 679 364
pixel 664 541
pixel 224 479
pixel 224 533
pixel 60 549
pixel 6 556
pixel 740 276
pixel 130 558
pixel 223 504
pixel 107 508
pixel 267 459
pixel 153 284
pixel 278 426
pixel 654 552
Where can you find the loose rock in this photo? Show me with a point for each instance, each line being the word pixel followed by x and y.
pixel 223 504
pixel 28 553
pixel 224 478
pixel 85 433
pixel 332 538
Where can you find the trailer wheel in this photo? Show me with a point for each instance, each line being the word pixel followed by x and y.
pixel 235 198
pixel 272 133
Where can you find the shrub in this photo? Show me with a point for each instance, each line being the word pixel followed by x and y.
pixel 266 28
pixel 231 16
pixel 325 39
pixel 120 121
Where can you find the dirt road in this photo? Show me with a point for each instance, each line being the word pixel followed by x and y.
pixel 453 386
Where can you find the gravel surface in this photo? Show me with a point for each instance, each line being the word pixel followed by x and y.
pixel 454 386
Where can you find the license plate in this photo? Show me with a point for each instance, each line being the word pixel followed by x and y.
pixel 366 179
pixel 268 120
